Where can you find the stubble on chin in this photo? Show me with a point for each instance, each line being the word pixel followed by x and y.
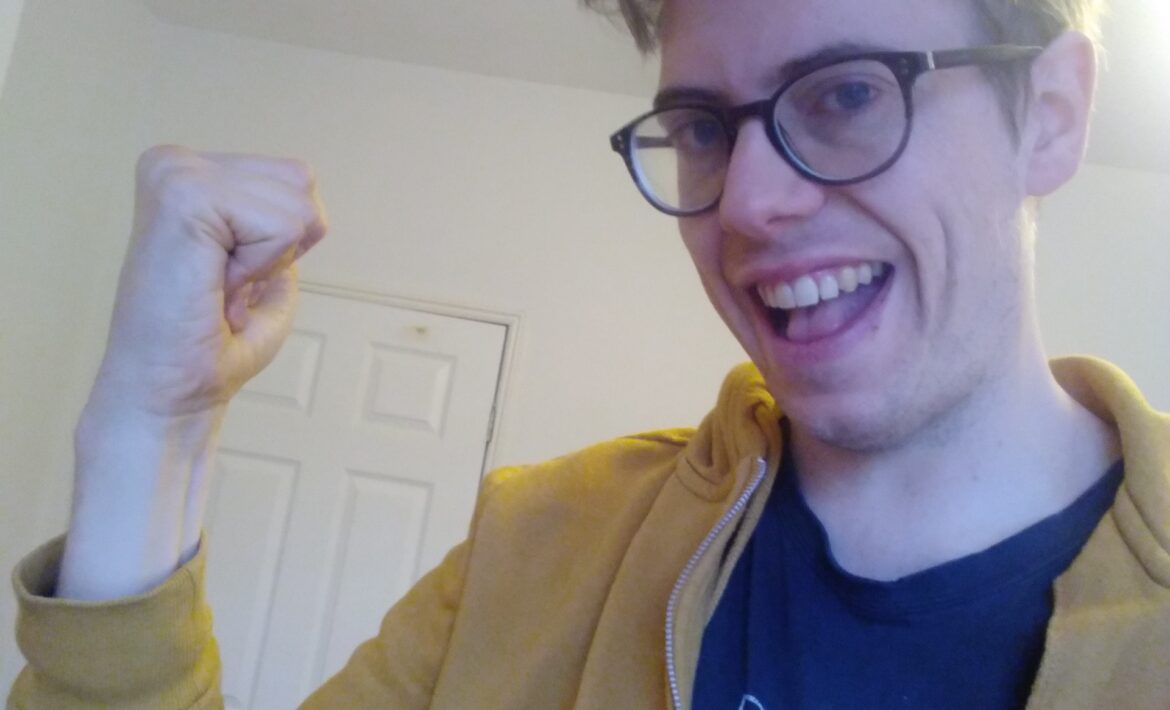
pixel 921 413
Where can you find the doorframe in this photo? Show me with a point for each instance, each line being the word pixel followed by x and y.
pixel 510 322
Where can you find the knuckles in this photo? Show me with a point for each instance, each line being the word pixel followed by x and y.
pixel 298 173
pixel 172 177
pixel 181 181
pixel 162 164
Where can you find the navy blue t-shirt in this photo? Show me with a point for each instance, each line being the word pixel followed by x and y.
pixel 795 630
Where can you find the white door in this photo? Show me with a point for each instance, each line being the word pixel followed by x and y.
pixel 346 470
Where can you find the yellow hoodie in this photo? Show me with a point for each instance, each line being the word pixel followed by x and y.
pixel 586 582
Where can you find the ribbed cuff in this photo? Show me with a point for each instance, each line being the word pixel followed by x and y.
pixel 155 647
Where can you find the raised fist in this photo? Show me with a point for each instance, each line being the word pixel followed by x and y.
pixel 208 288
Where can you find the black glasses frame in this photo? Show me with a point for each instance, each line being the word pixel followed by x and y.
pixel 906 67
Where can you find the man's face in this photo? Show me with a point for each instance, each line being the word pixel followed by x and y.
pixel 948 311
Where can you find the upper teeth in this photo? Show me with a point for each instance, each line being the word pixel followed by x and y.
pixel 811 289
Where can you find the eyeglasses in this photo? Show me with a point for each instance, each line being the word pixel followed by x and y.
pixel 838 122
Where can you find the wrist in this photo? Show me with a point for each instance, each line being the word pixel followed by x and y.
pixel 132 520
pixel 110 423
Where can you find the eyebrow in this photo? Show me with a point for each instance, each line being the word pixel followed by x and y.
pixel 673 95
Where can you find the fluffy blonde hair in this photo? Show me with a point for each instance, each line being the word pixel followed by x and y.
pixel 1026 22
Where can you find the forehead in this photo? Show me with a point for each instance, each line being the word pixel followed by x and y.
pixel 736 46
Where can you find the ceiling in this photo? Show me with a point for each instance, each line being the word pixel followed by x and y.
pixel 556 42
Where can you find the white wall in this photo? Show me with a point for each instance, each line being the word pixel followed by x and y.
pixel 1102 289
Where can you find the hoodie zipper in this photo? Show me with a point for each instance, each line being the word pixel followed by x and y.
pixel 672 605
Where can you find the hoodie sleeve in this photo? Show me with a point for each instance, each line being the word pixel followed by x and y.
pixel 154 650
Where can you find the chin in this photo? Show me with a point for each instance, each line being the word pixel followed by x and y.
pixel 873 422
pixel 850 419
pixel 859 432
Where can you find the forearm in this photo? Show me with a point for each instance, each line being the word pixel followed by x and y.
pixel 138 498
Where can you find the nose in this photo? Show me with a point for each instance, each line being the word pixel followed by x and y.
pixel 761 191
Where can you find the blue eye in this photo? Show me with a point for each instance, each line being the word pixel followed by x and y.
pixel 852 96
pixel 705 132
pixel 692 132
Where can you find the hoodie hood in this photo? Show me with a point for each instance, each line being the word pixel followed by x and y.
pixel 1142 508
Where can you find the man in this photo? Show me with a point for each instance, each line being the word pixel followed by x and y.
pixel 901 504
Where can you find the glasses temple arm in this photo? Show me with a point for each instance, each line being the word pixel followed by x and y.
pixel 980 55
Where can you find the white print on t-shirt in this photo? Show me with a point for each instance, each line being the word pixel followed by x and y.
pixel 750 702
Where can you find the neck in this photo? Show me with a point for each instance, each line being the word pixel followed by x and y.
pixel 1015 452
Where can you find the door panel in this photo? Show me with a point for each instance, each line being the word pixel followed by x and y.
pixel 347 469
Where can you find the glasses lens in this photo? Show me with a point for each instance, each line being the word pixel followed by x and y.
pixel 680 157
pixel 844 121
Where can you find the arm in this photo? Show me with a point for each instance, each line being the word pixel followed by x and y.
pixel 205 299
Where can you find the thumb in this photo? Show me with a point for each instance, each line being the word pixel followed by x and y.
pixel 271 314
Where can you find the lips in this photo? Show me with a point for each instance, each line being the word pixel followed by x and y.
pixel 820 304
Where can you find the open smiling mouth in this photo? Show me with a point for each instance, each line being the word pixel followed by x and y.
pixel 824 303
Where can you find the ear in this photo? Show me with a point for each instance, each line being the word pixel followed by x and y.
pixel 1056 115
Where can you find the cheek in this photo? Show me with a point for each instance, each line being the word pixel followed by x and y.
pixel 707 245
pixel 953 211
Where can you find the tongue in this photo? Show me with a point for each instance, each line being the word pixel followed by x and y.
pixel 826 318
